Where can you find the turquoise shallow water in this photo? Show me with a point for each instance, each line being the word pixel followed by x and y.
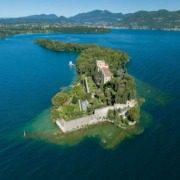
pixel 30 76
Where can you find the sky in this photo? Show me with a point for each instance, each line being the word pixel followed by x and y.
pixel 17 8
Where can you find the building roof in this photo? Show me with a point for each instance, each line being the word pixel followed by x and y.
pixel 106 72
pixel 101 63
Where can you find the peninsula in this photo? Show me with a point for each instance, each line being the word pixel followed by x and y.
pixel 103 91
pixel 15 29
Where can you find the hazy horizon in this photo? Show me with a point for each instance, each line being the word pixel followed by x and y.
pixel 20 8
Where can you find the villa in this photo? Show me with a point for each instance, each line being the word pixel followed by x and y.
pixel 104 69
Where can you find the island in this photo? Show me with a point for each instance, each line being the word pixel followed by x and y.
pixel 103 93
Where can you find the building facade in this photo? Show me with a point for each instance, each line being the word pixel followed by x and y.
pixel 104 69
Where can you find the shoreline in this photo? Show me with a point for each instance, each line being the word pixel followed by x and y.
pixel 108 136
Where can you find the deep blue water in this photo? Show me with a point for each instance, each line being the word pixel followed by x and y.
pixel 30 76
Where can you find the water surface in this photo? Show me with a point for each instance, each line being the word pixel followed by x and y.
pixel 30 76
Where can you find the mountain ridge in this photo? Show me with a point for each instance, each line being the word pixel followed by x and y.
pixel 140 19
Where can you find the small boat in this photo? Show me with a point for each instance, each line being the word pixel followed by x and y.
pixel 71 64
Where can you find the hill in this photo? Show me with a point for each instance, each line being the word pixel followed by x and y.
pixel 97 16
pixel 161 19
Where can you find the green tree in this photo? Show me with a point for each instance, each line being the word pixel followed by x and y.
pixel 60 99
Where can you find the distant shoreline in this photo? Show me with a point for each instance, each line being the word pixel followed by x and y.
pixel 11 30
pixel 148 29
pixel 112 28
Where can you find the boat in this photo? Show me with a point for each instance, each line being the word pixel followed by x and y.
pixel 71 64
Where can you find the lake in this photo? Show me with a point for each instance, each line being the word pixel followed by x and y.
pixel 31 75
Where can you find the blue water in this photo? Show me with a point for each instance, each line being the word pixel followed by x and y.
pixel 30 76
